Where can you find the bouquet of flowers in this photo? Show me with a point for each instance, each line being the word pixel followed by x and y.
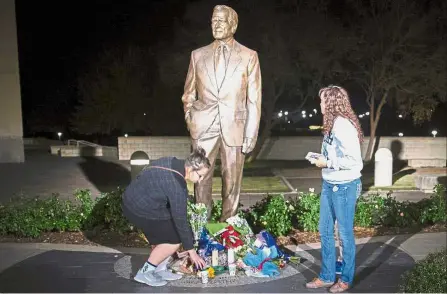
pixel 241 225
pixel 197 216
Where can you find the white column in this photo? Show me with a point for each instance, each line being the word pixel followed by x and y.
pixel 11 130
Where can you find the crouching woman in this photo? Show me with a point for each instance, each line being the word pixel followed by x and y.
pixel 156 203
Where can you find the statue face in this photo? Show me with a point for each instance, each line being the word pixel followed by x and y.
pixel 220 25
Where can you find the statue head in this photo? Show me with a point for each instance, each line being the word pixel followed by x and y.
pixel 223 22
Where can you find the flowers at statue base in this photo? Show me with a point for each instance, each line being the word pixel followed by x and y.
pixel 256 255
pixel 241 251
pixel 231 238
pixel 211 272
pixel 197 215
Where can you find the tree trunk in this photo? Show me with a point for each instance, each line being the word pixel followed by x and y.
pixel 374 119
pixel 369 150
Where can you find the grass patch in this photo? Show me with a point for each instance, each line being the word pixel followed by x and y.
pixel 250 185
pixel 400 182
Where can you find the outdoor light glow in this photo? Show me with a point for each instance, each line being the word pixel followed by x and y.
pixel 310 115
pixel 401 134
pixel 286 112
pixel 139 161
pixel 361 115
pixel 315 111
pixel 288 122
pixel 400 116
pixel 315 127
pixel 434 133
pixel 280 114
pixel 303 112
pixel 367 113
pixel 144 113
pixel 125 135
pixel 304 115
pixel 59 134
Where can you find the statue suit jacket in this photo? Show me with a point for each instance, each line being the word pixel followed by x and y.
pixel 237 102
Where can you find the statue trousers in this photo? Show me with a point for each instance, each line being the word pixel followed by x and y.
pixel 232 165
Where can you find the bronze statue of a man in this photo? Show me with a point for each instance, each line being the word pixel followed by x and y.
pixel 222 104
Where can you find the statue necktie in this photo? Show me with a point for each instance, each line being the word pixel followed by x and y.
pixel 220 65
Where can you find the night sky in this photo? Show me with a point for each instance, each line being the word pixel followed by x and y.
pixel 58 39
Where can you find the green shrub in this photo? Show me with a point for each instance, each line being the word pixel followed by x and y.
pixel 216 211
pixel 307 212
pixel 30 217
pixel 107 213
pixel 366 210
pixel 428 275
pixel 396 214
pixel 273 213
pixel 376 210
pixel 434 210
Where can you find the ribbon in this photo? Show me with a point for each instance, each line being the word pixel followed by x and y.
pixel 262 263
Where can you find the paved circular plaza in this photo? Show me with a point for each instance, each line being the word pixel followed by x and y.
pixel 127 266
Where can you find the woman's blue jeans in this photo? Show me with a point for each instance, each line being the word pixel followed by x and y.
pixel 337 202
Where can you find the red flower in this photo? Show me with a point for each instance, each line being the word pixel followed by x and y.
pixel 230 238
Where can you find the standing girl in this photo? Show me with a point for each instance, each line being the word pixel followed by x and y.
pixel 341 164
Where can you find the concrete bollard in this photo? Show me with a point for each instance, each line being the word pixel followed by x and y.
pixel 138 160
pixel 383 168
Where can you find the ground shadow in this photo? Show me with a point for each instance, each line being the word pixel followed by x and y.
pixel 396 150
pixel 105 175
pixel 47 272
pixel 268 145
pixel 379 266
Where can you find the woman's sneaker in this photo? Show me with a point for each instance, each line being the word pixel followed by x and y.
pixel 317 283
pixel 149 278
pixel 167 275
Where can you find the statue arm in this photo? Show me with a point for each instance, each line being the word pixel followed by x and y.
pixel 254 97
pixel 189 93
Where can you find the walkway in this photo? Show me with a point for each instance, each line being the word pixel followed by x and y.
pixel 71 268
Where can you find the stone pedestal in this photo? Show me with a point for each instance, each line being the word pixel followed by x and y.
pixel 11 132
pixel 383 168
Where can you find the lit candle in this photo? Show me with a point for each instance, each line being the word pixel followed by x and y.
pixel 215 258
pixel 230 256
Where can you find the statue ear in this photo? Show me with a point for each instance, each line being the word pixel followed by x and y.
pixel 234 28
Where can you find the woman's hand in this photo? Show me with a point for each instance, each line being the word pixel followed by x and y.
pixel 196 259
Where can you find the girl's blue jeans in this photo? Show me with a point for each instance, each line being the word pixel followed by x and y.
pixel 337 202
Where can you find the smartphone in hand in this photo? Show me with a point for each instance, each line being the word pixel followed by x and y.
pixel 312 156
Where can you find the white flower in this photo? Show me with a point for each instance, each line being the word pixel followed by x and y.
pixel 312 190
pixel 291 207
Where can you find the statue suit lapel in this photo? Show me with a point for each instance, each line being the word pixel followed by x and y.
pixel 208 59
pixel 235 60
